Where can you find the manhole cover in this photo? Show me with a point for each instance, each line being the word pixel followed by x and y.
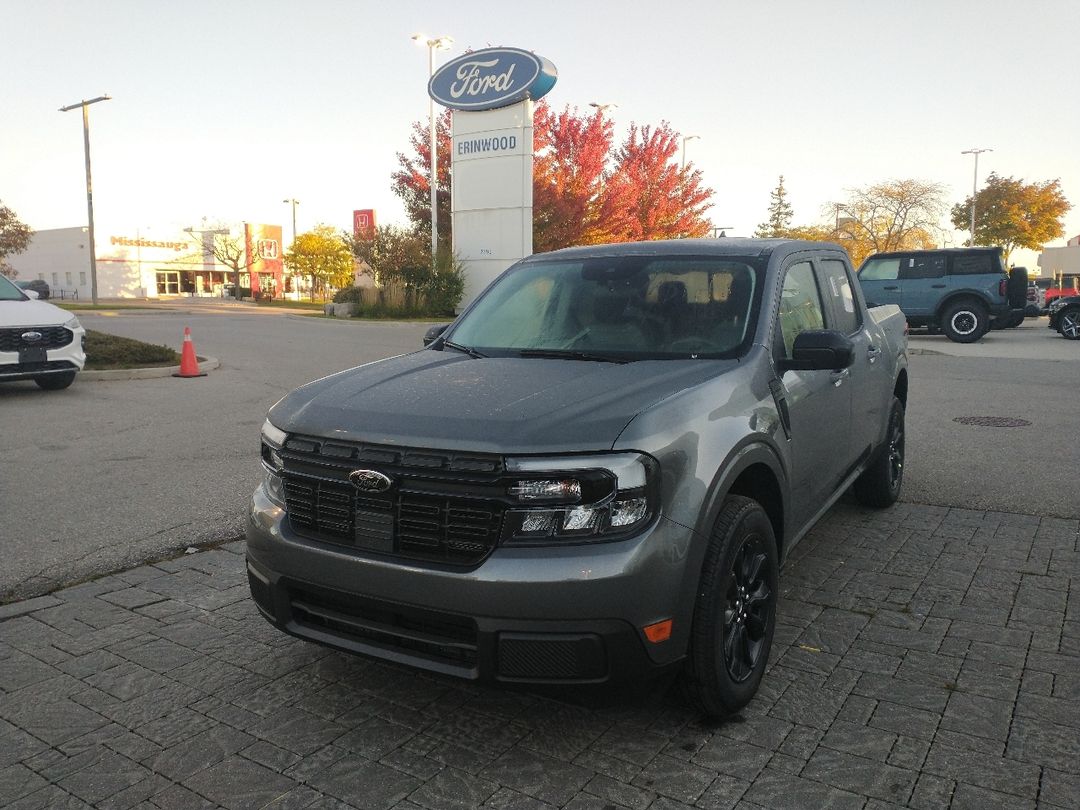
pixel 992 421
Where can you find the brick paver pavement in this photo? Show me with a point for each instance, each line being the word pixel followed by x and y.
pixel 925 657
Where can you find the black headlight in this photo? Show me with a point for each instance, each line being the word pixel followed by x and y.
pixel 272 441
pixel 580 499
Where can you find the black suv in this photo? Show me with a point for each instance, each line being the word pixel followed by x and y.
pixel 964 292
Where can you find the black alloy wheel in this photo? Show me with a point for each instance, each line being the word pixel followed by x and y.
pixel 749 606
pixel 735 611
pixel 879 485
pixel 1069 325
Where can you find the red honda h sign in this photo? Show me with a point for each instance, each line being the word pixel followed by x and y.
pixel 363 223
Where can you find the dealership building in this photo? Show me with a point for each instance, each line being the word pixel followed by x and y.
pixel 132 263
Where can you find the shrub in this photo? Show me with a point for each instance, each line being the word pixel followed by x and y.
pixel 112 351
pixel 350 295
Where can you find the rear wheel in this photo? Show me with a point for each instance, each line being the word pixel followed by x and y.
pixel 880 484
pixel 1069 325
pixel 55 382
pixel 965 321
pixel 735 612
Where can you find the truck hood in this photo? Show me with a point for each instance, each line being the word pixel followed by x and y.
pixel 32 313
pixel 446 400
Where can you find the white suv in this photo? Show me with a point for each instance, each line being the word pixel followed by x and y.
pixel 38 341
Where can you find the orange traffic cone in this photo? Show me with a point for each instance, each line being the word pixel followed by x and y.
pixel 189 364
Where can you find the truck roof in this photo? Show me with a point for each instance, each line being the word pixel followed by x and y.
pixel 727 246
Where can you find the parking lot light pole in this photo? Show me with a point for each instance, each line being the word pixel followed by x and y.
pixel 294 204
pixel 974 185
pixel 686 138
pixel 433 44
pixel 89 187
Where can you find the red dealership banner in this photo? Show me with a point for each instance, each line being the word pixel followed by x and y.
pixel 363 223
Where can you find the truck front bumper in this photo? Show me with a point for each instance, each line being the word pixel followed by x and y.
pixel 565 615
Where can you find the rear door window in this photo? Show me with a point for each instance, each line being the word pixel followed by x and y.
pixel 919 267
pixel 837 288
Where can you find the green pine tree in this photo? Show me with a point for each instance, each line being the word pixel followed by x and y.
pixel 780 213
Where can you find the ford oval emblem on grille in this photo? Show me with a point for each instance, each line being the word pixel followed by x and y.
pixel 32 337
pixel 370 481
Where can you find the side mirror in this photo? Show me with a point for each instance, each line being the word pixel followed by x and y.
pixel 433 334
pixel 820 350
pixel 31 294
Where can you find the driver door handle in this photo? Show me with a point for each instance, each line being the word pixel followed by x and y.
pixel 838 377
pixel 873 353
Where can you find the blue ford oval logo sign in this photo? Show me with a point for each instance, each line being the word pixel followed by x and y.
pixel 32 337
pixel 492 78
pixel 370 480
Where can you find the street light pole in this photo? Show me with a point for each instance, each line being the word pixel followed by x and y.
pixel 974 185
pixel 89 188
pixel 433 44
pixel 686 138
pixel 294 204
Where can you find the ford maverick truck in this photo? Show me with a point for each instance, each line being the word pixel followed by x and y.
pixel 592 475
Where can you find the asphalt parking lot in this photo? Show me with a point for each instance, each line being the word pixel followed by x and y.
pixel 928 656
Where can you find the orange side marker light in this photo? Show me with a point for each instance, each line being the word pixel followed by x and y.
pixel 661 631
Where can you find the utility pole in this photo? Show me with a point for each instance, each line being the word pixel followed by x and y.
pixel 89 188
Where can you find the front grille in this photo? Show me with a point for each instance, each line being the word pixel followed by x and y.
pixel 442 508
pixel 433 635
pixel 52 337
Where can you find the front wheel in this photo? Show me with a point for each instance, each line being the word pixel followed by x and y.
pixel 880 483
pixel 965 322
pixel 55 382
pixel 1069 325
pixel 735 612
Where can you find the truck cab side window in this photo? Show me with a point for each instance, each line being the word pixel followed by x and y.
pixel 800 307
pixel 837 288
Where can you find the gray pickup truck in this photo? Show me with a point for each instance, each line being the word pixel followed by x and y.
pixel 592 475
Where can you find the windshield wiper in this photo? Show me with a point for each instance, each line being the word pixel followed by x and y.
pixel 466 349
pixel 573 354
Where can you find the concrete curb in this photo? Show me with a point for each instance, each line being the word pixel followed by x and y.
pixel 205 364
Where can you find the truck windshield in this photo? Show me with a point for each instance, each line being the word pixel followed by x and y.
pixel 619 308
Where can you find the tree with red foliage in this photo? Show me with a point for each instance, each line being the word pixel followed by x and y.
pixel 411 180
pixel 648 195
pixel 583 193
pixel 570 154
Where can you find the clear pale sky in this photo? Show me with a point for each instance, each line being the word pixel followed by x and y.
pixel 223 109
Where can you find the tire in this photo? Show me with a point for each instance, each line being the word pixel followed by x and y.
pixel 55 382
pixel 1014 320
pixel 1069 324
pixel 879 485
pixel 735 611
pixel 965 321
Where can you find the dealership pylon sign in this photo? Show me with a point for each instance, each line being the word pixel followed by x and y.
pixel 491 92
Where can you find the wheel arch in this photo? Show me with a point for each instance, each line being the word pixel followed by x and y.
pixel 754 471
pixel 959 297
pixel 900 388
